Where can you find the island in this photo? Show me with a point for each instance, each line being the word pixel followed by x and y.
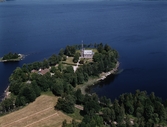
pixel 11 57
pixel 54 89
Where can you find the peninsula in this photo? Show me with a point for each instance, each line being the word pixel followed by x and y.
pixel 60 76
pixel 11 57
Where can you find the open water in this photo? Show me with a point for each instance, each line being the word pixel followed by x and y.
pixel 137 29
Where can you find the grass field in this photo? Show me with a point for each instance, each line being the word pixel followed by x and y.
pixel 40 113
pixel 69 61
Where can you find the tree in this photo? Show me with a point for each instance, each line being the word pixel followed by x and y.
pixel 64 124
pixel 60 67
pixel 45 64
pixel 76 57
pixel 91 106
pixel 18 75
pixel 53 60
pixel 53 69
pixel 79 97
pixel 105 101
pixel 61 52
pixel 43 83
pixel 80 77
pixel 58 88
pixel 106 114
pixel 70 50
pixel 91 121
pixel 10 56
pixel 25 68
pixel 97 57
pixel 112 115
pixel 15 87
pixel 66 104
pixel 148 112
pixel 20 101
pixel 107 48
pixel 100 48
pixel 28 92
pixel 36 88
pixel 7 104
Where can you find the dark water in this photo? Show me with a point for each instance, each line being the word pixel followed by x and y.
pixel 137 29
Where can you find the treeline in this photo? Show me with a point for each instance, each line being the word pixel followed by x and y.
pixel 130 110
pixel 61 79
pixel 10 56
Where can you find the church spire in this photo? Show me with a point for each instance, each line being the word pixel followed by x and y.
pixel 82 50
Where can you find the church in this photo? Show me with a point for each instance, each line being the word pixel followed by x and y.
pixel 86 53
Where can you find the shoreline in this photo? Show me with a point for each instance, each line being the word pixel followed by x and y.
pixel 83 87
pixel 6 94
pixel 94 81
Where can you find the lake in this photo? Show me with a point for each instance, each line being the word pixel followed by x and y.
pixel 136 29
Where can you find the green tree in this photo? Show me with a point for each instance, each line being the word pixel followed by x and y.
pixel 36 88
pixel 64 124
pixel 58 87
pixel 15 87
pixel 66 104
pixel 91 106
pixel 106 114
pixel 148 112
pixel 53 60
pixel 61 52
pixel 45 64
pixel 107 48
pixel 28 92
pixel 79 97
pixel 76 57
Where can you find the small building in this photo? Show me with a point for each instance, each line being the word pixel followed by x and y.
pixel 41 71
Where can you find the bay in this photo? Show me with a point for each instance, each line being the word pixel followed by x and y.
pixel 137 29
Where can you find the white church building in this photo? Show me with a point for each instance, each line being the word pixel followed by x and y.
pixel 86 53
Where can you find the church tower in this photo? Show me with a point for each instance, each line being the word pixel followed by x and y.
pixel 82 50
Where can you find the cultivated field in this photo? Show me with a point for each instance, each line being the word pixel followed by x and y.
pixel 40 113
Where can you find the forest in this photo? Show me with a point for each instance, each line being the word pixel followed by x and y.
pixel 129 110
pixel 26 84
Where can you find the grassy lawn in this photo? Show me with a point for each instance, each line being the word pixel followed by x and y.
pixel 69 61
pixel 49 93
pixel 76 115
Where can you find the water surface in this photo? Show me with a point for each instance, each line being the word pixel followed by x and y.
pixel 137 29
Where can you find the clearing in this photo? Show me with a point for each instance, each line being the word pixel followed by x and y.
pixel 40 113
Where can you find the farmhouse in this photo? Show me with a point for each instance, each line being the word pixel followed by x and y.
pixel 40 71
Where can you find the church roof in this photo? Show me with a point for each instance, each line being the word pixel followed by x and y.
pixel 88 52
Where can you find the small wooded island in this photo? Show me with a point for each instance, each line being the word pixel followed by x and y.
pixel 64 76
pixel 11 57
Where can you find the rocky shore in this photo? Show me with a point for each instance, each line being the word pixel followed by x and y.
pixel 6 93
pixel 102 76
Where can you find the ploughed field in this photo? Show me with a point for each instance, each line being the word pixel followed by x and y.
pixel 40 113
